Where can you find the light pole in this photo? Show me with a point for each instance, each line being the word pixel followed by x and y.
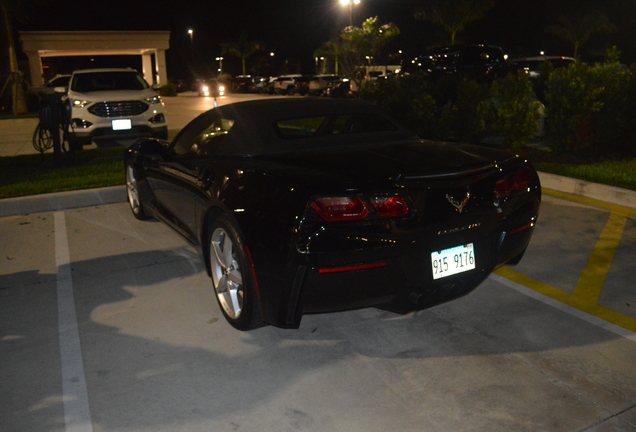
pixel 191 33
pixel 220 60
pixel 350 3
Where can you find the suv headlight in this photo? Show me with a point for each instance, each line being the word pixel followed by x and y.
pixel 153 99
pixel 77 103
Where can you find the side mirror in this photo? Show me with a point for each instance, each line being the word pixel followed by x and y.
pixel 60 90
pixel 156 86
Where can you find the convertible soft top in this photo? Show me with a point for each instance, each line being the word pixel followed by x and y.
pixel 272 125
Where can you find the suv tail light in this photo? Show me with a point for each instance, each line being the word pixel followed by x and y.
pixel 336 209
pixel 516 182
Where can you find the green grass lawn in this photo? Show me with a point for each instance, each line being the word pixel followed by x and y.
pixel 613 173
pixel 36 174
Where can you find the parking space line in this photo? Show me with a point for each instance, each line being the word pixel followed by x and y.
pixel 590 284
pixel 77 415
pixel 625 211
pixel 620 330
pixel 602 312
pixel 592 279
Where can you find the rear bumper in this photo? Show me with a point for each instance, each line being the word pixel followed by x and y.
pixel 397 278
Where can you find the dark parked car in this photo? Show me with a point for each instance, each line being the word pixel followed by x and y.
pixel 478 62
pixel 245 83
pixel 313 205
pixel 532 65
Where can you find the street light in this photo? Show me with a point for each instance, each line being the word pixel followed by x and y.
pixel 220 60
pixel 350 3
pixel 191 33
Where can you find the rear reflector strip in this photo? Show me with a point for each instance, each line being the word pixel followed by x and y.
pixel 352 268
pixel 523 228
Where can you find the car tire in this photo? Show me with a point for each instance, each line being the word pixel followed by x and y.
pixel 132 190
pixel 290 91
pixel 232 276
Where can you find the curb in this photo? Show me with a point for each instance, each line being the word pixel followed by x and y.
pixel 62 201
pixel 117 194
pixel 608 194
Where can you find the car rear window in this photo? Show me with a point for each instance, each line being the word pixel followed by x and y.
pixel 304 127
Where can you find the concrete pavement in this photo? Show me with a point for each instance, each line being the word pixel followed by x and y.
pixel 108 323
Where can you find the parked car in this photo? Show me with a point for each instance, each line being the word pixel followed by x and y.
pixel 339 89
pixel 301 85
pixel 478 62
pixel 319 83
pixel 265 85
pixel 310 205
pixel 61 80
pixel 285 84
pixel 114 103
pixel 180 85
pixel 246 83
pixel 532 65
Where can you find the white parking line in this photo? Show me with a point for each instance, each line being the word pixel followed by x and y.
pixel 77 415
pixel 565 308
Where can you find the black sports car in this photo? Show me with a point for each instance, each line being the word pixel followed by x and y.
pixel 313 205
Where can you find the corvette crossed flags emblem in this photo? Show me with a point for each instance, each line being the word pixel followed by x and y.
pixel 459 205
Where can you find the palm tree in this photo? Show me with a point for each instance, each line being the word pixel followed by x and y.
pixel 332 49
pixel 13 9
pixel 577 29
pixel 365 41
pixel 454 15
pixel 242 49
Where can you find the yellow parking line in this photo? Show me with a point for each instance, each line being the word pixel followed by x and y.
pixel 588 289
pixel 569 299
pixel 593 277
pixel 612 207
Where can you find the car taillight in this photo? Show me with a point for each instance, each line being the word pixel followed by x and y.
pixel 517 182
pixel 389 207
pixel 333 209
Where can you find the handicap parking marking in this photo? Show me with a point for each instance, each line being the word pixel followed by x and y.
pixel 590 284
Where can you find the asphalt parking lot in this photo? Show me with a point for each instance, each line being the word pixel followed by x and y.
pixel 110 324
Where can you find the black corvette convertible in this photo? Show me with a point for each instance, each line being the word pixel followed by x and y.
pixel 309 205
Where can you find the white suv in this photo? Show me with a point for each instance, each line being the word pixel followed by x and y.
pixel 114 103
pixel 285 84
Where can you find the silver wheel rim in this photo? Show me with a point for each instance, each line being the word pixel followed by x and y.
pixel 131 187
pixel 226 273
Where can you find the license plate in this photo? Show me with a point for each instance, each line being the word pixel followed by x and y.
pixel 122 124
pixel 451 261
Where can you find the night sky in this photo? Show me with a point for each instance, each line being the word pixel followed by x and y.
pixel 294 29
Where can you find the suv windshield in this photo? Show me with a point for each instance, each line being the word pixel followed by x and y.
pixel 108 81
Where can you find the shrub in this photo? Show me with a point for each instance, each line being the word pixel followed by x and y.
pixel 470 111
pixel 591 109
pixel 516 115
pixel 407 99
pixel 168 90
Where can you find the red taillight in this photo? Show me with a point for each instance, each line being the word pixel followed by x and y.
pixel 522 179
pixel 503 188
pixel 333 209
pixel 389 207
pixel 517 182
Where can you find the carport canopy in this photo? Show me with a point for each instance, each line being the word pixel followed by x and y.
pixel 37 45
